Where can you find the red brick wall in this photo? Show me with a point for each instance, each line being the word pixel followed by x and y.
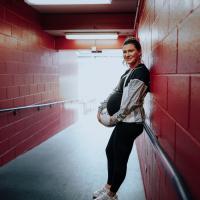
pixel 170 34
pixel 30 70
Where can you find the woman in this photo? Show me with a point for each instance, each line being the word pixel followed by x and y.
pixel 124 110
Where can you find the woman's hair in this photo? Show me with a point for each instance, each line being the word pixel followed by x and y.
pixel 134 41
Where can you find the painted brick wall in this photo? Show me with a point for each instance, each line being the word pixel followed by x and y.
pixel 169 32
pixel 30 72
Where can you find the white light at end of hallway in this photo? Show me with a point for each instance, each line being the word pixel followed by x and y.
pixel 91 36
pixel 66 2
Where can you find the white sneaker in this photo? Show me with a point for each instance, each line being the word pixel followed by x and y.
pixel 99 192
pixel 105 196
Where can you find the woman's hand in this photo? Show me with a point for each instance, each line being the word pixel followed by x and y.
pixel 106 120
pixel 112 120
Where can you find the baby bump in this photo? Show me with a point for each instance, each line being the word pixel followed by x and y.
pixel 114 102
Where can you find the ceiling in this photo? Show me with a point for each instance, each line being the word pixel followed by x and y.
pixel 117 6
pixel 119 16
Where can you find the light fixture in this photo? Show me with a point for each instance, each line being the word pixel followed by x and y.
pixel 66 2
pixel 91 36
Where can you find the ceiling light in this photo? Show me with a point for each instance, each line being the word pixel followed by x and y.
pixel 66 2
pixel 91 36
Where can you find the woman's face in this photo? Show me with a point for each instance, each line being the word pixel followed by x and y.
pixel 131 54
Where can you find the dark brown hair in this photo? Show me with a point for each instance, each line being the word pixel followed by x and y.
pixel 134 41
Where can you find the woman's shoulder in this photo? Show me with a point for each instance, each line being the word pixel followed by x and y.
pixel 126 72
pixel 141 67
pixel 141 72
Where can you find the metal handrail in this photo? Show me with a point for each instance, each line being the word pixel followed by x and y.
pixel 177 180
pixel 34 106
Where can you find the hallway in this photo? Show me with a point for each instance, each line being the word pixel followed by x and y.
pixel 68 166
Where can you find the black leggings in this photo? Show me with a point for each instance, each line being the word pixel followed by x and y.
pixel 118 150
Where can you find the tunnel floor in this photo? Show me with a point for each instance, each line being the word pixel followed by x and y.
pixel 68 166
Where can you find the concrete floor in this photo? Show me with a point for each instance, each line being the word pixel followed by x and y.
pixel 69 166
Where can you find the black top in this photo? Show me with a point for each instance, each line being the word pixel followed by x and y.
pixel 114 101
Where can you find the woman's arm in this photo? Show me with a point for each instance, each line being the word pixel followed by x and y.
pixel 131 99
pixel 133 94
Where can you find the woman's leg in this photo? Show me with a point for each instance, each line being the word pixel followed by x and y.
pixel 110 156
pixel 122 142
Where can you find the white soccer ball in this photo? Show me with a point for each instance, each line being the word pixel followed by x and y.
pixel 105 118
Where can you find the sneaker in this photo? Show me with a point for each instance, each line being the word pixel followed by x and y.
pixel 105 196
pixel 100 192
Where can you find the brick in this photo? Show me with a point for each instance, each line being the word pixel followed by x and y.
pixel 183 6
pixel 17 102
pixel 19 125
pixel 194 125
pixel 47 86
pixel 11 42
pixel 22 45
pixel 16 55
pixel 6 80
pixel 4 146
pixel 6 132
pixel 3 52
pixel 5 28
pixel 187 160
pixel 19 79
pixel 44 97
pixel 8 156
pixel 3 93
pixel 37 78
pixel 2 40
pixel 159 89
pixel 189 42
pixel 162 13
pixel 11 67
pixel 14 19
pixel 178 98
pixel 2 12
pixel 156 118
pixel 11 118
pixel 169 53
pixel 16 32
pixel 33 89
pixel 3 120
pixel 6 103
pixel 22 68
pixel 37 98
pixel 2 68
pixel 24 90
pixel 41 87
pixel 29 79
pixel 20 137
pixel 29 100
pixel 13 92
pixel 167 135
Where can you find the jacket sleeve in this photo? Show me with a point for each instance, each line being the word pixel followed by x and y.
pixel 134 95
pixel 132 99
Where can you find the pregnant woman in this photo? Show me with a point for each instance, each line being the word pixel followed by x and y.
pixel 124 110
